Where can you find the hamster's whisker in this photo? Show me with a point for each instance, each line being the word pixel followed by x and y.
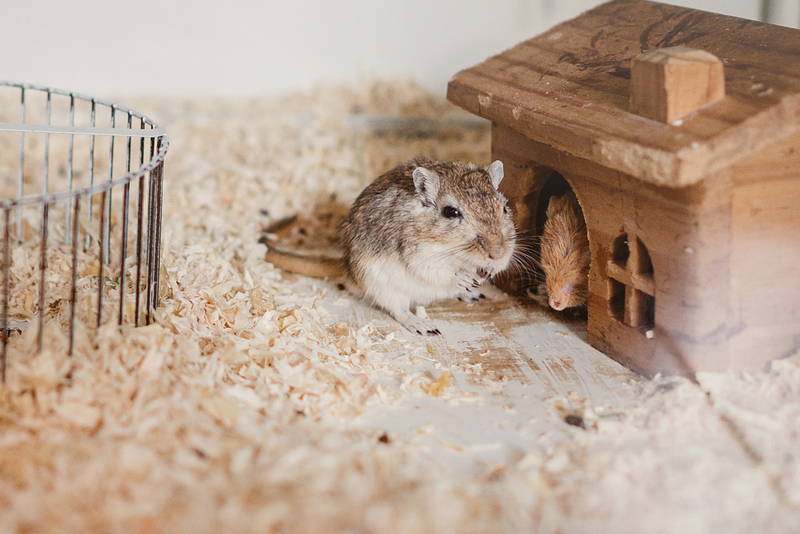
pixel 527 234
pixel 456 253
pixel 529 240
pixel 466 250
pixel 525 267
pixel 526 258
pixel 527 252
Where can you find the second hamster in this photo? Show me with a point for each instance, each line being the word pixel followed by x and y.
pixel 426 231
pixel 565 255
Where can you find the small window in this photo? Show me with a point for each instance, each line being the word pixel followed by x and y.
pixel 620 250
pixel 616 301
pixel 631 286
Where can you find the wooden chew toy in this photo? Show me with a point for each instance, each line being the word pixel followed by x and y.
pixel 308 244
pixel 686 164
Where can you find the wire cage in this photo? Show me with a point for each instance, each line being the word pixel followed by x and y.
pixel 81 185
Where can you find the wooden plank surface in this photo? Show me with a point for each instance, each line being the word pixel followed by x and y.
pixel 569 88
pixel 510 360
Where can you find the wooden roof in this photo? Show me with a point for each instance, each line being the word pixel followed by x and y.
pixel 569 88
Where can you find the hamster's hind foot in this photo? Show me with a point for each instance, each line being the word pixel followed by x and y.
pixel 417 325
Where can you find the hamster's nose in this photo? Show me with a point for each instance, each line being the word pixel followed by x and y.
pixel 495 248
pixel 497 251
pixel 557 303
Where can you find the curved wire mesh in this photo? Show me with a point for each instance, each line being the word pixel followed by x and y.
pixel 81 183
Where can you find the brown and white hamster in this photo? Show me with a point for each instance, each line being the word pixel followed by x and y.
pixel 426 231
pixel 565 255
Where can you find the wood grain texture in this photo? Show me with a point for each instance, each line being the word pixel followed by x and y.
pixel 570 87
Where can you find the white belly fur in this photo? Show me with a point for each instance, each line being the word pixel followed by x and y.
pixel 392 286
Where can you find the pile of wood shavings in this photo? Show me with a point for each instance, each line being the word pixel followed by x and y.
pixel 230 413
pixel 222 415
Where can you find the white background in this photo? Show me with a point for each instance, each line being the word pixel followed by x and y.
pixel 252 47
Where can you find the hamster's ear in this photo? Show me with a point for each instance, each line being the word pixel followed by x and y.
pixel 427 184
pixel 495 171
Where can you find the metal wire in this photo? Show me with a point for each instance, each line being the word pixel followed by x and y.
pixel 139 229
pixel 74 286
pixel 125 208
pixel 74 163
pixel 6 285
pixel 150 239
pixel 91 166
pixel 68 222
pixel 42 270
pixel 21 165
pixel 101 250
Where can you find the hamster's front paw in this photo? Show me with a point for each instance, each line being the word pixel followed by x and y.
pixel 471 296
pixel 467 281
pixel 484 273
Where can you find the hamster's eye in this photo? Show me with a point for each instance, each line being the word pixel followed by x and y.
pixel 450 212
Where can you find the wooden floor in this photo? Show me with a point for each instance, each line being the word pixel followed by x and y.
pixel 520 371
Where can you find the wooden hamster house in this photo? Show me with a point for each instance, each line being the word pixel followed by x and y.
pixel 679 132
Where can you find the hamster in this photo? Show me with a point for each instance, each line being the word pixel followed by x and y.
pixel 565 255
pixel 427 231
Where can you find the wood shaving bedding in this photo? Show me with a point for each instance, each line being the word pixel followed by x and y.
pixel 232 413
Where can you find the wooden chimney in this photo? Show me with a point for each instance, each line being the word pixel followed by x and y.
pixel 669 83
